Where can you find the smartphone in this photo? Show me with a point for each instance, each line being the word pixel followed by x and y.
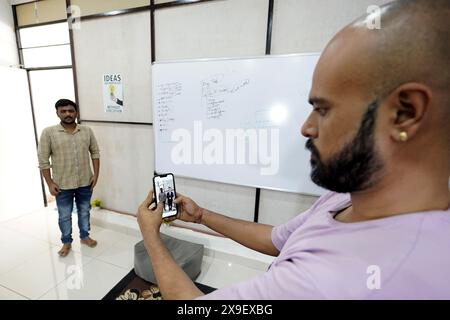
pixel 164 189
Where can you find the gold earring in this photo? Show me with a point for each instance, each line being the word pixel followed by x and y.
pixel 403 136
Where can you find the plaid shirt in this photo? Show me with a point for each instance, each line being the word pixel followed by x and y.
pixel 69 153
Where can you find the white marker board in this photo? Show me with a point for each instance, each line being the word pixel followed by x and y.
pixel 200 104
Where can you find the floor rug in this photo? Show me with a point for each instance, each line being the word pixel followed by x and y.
pixel 132 287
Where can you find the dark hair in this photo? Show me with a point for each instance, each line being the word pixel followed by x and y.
pixel 65 102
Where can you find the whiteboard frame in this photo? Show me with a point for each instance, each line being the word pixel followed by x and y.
pixel 228 59
pixel 269 56
pixel 242 185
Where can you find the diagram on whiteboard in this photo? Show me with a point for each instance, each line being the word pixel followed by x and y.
pixel 235 121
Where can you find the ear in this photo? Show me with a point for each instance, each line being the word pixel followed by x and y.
pixel 408 105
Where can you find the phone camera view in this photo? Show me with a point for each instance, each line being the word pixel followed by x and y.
pixel 165 192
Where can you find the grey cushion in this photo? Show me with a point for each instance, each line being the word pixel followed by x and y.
pixel 188 256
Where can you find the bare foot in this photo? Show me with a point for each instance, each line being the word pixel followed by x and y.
pixel 89 242
pixel 65 250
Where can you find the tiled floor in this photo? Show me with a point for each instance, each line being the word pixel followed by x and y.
pixel 30 267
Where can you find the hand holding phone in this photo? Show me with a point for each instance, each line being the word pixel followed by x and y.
pixel 164 189
pixel 189 211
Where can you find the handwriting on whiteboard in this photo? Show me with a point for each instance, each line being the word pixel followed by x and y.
pixel 165 104
pixel 214 94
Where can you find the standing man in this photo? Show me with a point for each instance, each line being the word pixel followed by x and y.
pixel 69 145
pixel 170 196
pixel 162 197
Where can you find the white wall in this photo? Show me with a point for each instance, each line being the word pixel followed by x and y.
pixel 308 25
pixel 20 188
pixel 8 46
pixel 115 45
pixel 118 45
pixel 126 165
pixel 212 29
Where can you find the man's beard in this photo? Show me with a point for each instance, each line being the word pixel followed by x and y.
pixel 68 121
pixel 354 167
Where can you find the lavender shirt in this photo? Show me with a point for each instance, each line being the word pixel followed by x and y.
pixel 401 257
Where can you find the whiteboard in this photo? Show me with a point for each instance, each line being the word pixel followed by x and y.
pixel 200 105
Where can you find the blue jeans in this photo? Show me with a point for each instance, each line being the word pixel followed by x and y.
pixel 64 201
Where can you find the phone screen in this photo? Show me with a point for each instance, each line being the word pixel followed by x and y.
pixel 165 191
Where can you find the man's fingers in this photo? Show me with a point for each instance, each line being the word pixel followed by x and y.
pixel 179 198
pixel 159 208
pixel 170 219
pixel 146 203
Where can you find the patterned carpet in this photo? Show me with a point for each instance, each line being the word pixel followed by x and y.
pixel 131 287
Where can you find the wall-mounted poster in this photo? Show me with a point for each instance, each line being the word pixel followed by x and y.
pixel 112 93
